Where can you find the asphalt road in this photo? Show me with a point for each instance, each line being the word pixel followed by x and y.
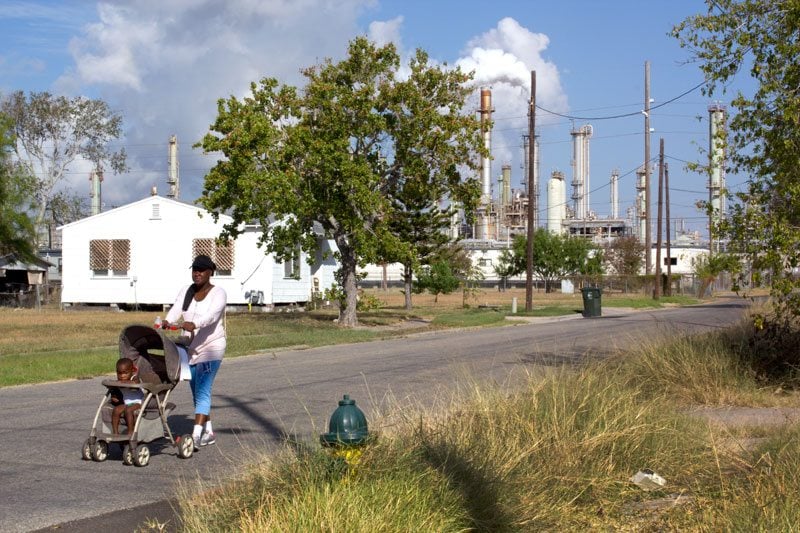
pixel 260 399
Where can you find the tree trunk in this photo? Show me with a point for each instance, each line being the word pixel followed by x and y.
pixel 407 284
pixel 347 270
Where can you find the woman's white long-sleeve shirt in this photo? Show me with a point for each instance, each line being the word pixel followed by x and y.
pixel 209 341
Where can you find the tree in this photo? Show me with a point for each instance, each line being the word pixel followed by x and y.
pixel 709 268
pixel 333 156
pixel 437 278
pixel 505 268
pixel 52 132
pixel 760 38
pixel 555 256
pixel 16 230
pixel 417 219
pixel 624 255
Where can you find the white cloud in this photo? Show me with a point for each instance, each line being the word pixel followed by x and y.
pixel 502 59
pixel 164 65
pixel 385 32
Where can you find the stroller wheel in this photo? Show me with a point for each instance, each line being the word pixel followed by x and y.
pixel 86 450
pixel 141 455
pixel 127 456
pixel 100 451
pixel 185 444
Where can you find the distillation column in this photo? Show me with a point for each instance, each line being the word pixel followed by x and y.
pixel 641 205
pixel 580 171
pixel 716 178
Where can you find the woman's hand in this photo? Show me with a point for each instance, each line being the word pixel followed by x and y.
pixel 188 326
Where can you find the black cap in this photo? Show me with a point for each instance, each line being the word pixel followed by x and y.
pixel 203 262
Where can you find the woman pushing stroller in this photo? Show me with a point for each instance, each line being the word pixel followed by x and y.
pixel 199 310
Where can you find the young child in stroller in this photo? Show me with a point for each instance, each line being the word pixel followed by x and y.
pixel 154 359
pixel 129 400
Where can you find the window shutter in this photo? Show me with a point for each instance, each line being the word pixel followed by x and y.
pixel 99 252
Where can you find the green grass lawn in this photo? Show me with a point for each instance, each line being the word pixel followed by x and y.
pixel 51 345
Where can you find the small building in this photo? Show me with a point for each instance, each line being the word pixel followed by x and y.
pixel 21 281
pixel 139 254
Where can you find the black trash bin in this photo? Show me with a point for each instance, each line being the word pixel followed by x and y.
pixel 592 302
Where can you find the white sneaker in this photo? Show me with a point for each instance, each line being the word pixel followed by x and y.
pixel 196 440
pixel 208 438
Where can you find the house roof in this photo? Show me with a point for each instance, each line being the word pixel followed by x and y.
pixel 12 262
pixel 147 200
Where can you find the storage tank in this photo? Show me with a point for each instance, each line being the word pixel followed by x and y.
pixel 556 202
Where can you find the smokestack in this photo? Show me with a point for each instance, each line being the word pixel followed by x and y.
pixel 174 180
pixel 615 194
pixel 486 167
pixel 96 178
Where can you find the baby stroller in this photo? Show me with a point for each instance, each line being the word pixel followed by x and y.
pixel 158 374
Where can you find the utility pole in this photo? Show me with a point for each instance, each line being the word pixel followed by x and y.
pixel 531 196
pixel 648 239
pixel 666 227
pixel 657 288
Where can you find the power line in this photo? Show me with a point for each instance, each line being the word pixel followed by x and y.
pixel 624 115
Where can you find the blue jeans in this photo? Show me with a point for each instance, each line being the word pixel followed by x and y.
pixel 203 375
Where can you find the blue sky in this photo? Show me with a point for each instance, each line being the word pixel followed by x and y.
pixel 163 65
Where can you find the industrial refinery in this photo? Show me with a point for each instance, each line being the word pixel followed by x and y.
pixel 568 207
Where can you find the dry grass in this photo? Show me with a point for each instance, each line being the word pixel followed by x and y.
pixel 555 455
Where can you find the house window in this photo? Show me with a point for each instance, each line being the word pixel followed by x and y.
pixel 109 257
pixel 291 267
pixel 221 254
pixel 670 261
pixel 484 262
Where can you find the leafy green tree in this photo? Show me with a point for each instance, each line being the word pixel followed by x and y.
pixel 505 268
pixel 417 219
pixel 709 268
pixel 624 255
pixel 333 155
pixel 555 256
pixel 437 278
pixel 758 38
pixel 466 271
pixel 66 207
pixel 16 187
pixel 52 132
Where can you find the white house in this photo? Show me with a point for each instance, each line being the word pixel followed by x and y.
pixel 140 254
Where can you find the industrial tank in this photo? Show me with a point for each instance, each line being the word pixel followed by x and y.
pixel 556 202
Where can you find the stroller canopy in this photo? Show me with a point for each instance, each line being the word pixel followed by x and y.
pixel 135 342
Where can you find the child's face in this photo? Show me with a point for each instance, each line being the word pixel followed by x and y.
pixel 124 374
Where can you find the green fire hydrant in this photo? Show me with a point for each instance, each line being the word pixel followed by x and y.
pixel 347 431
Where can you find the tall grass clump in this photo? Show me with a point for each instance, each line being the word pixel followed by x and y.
pixel 390 490
pixel 556 455
pixel 559 455
pixel 769 495
pixel 700 369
